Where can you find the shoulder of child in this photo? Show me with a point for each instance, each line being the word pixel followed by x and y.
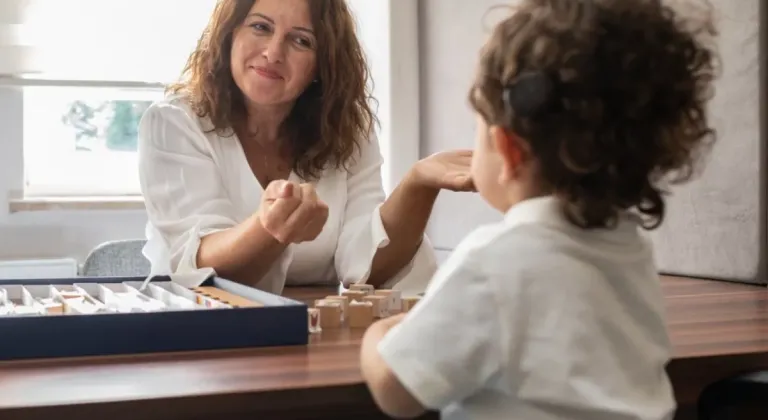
pixel 498 241
pixel 523 253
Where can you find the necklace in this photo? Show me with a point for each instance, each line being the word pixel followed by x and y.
pixel 273 163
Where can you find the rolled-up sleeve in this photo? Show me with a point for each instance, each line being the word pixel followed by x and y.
pixel 182 189
pixel 363 234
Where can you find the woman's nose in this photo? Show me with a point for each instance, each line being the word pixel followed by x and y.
pixel 274 52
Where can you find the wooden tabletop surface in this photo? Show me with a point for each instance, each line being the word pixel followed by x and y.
pixel 711 325
pixel 711 318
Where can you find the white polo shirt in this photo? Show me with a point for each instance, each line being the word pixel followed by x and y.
pixel 533 318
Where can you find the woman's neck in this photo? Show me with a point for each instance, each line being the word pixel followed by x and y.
pixel 264 122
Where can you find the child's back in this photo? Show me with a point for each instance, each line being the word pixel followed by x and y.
pixel 555 322
pixel 586 109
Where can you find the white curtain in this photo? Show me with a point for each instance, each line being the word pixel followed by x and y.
pixel 100 40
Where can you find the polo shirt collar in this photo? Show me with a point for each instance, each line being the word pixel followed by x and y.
pixel 545 209
pixel 548 210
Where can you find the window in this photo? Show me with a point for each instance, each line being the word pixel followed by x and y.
pixel 104 53
pixel 82 141
pixel 88 69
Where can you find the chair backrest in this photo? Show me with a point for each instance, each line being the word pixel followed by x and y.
pixel 117 259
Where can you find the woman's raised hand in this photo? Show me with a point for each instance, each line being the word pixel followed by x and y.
pixel 450 170
pixel 291 212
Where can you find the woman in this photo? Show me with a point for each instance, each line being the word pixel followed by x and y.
pixel 261 165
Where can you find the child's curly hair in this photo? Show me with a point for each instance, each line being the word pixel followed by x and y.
pixel 610 96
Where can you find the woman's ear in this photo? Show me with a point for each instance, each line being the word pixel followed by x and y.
pixel 510 148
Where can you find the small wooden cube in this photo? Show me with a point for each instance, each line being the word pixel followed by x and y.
pixel 360 314
pixel 354 295
pixel 54 308
pixel 339 301
pixel 51 306
pixel 314 320
pixel 367 288
pixel 343 299
pixel 330 313
pixel 380 305
pixel 410 302
pixel 394 298
pixel 70 294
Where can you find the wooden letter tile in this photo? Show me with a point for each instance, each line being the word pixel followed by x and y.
pixel 395 303
pixel 360 314
pixel 380 305
pixel 330 313
pixel 367 288
pixel 410 302
pixel 354 295
pixel 343 299
pixel 314 320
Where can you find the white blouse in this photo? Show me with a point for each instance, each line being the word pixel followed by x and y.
pixel 195 183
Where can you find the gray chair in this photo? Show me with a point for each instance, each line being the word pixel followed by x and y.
pixel 117 259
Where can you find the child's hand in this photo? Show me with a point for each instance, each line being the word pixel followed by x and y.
pixel 387 390
pixel 391 321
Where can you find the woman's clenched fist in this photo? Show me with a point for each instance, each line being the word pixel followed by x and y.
pixel 291 212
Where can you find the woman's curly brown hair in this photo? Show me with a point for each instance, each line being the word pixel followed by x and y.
pixel 329 120
pixel 609 95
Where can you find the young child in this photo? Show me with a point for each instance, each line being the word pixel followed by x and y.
pixel 586 110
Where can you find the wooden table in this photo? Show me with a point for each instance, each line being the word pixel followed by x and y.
pixel 717 329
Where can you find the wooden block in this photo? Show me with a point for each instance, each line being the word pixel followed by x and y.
pixel 395 300
pixel 314 320
pixel 360 314
pixel 225 297
pixel 367 288
pixel 410 302
pixel 70 294
pixel 340 302
pixel 380 305
pixel 354 295
pixel 330 313
pixel 52 307
pixel 343 299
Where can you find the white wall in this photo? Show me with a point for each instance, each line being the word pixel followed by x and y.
pixel 711 229
pixel 389 33
pixel 55 233
pixel 450 33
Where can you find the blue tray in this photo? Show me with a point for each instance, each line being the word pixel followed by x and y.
pixel 280 322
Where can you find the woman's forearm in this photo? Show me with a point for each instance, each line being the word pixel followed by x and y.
pixel 404 215
pixel 244 253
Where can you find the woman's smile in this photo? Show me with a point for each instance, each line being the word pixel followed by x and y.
pixel 267 73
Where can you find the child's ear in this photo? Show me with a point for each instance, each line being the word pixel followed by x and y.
pixel 510 148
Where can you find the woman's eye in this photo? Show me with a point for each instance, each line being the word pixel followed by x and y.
pixel 303 42
pixel 260 27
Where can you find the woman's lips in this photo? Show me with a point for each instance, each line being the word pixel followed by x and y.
pixel 269 74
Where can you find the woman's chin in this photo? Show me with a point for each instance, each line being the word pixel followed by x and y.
pixel 262 98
